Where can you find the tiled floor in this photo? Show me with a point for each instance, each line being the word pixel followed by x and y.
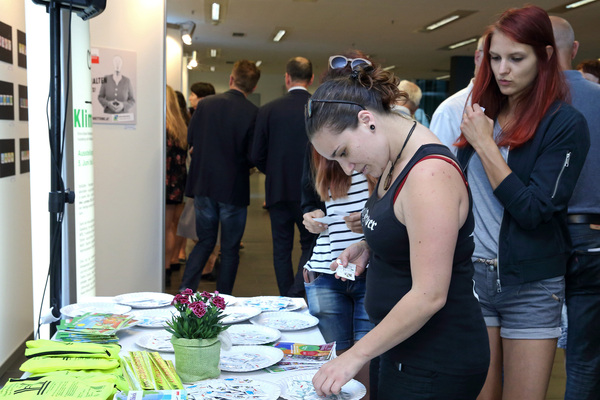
pixel 256 277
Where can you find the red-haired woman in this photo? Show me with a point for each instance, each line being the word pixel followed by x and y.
pixel 523 148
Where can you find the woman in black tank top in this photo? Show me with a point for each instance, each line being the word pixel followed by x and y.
pixel 417 224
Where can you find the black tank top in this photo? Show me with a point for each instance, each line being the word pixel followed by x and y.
pixel 455 339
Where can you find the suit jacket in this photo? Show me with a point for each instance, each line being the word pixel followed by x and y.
pixel 221 132
pixel 279 145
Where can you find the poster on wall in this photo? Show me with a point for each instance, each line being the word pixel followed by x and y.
pixel 6 43
pixel 21 49
pixel 7 157
pixel 113 86
pixel 24 152
pixel 23 113
pixel 7 109
pixel 83 160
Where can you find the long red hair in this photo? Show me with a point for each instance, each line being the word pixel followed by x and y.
pixel 330 178
pixel 529 25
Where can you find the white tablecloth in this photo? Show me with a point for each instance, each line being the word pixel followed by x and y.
pixel 127 339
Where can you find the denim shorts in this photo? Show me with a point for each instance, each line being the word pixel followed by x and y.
pixel 529 310
pixel 340 308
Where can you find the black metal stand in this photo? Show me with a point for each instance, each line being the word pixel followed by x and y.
pixel 55 206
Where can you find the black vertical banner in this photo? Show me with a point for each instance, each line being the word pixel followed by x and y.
pixel 23 113
pixel 21 49
pixel 24 154
pixel 7 157
pixel 6 43
pixel 7 96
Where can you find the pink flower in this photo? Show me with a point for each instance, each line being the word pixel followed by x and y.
pixel 206 294
pixel 198 308
pixel 219 302
pixel 181 299
pixel 187 292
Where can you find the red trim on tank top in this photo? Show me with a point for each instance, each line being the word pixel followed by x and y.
pixel 443 158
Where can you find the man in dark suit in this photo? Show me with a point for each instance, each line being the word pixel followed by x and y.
pixel 280 142
pixel 220 134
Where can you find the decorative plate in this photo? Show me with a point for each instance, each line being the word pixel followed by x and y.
pixel 145 299
pixel 249 334
pixel 238 314
pixel 229 299
pixel 160 341
pixel 300 387
pixel 273 303
pixel 285 321
pixel 249 358
pixel 77 309
pixel 234 389
pixel 153 318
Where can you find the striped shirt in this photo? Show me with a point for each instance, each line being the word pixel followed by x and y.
pixel 338 237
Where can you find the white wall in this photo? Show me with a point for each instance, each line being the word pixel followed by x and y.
pixel 174 59
pixel 16 301
pixel 129 160
pixel 270 86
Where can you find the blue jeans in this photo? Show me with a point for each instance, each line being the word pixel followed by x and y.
pixel 340 308
pixel 233 222
pixel 583 313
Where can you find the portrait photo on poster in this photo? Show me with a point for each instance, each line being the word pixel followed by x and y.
pixel 113 86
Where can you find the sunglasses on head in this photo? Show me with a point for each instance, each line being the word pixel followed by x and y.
pixel 309 105
pixel 336 62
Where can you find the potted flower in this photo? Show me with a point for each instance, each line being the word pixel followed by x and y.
pixel 195 329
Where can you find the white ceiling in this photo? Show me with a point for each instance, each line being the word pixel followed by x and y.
pixel 385 29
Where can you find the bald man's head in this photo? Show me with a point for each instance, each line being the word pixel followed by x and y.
pixel 566 45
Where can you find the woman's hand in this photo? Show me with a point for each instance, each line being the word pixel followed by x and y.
pixel 336 373
pixel 314 226
pixel 353 222
pixel 477 127
pixel 358 254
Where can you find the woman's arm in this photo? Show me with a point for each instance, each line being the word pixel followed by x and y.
pixel 433 205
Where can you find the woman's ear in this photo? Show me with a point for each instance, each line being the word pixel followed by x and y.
pixel 549 51
pixel 365 118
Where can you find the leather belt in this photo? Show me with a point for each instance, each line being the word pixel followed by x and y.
pixel 583 219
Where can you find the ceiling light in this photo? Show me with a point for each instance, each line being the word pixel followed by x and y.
pixel 462 43
pixel 442 22
pixel 443 77
pixel 187 30
pixel 279 35
pixel 215 12
pixel 579 3
pixel 563 8
pixel 391 67
pixel 213 53
pixel 212 68
pixel 193 63
pixel 258 63
pixel 446 20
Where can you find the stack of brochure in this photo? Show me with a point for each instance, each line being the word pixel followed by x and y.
pixel 298 356
pixel 93 328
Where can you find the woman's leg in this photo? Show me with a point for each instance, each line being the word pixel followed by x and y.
pixel 492 389
pixel 170 229
pixel 527 367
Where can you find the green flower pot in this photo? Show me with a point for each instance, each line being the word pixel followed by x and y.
pixel 196 359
